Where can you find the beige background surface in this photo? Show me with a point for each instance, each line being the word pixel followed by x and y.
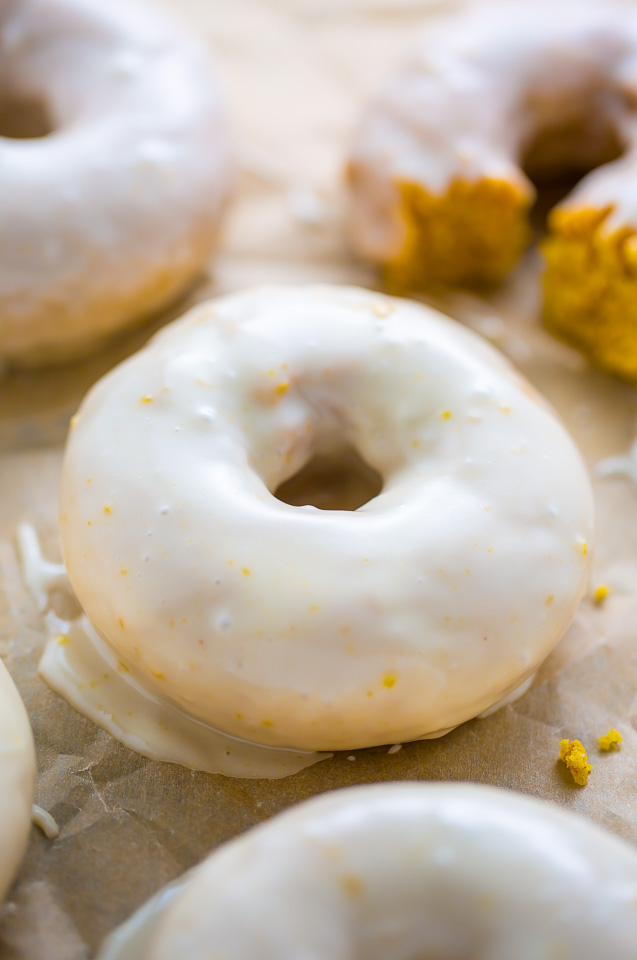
pixel 296 72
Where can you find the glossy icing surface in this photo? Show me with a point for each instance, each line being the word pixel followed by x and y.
pixel 402 870
pixel 491 86
pixel 112 213
pixel 324 629
pixel 17 778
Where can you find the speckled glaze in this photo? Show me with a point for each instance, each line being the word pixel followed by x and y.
pixel 403 870
pixel 109 216
pixel 17 779
pixel 299 627
pixel 488 82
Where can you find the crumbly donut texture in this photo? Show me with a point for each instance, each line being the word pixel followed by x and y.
pixel 409 870
pixel 324 629
pixel 590 284
pixel 112 214
pixel 17 778
pixel 438 193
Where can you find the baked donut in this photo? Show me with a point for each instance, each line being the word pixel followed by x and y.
pixel 311 628
pixel 17 779
pixel 402 870
pixel 437 186
pixel 112 203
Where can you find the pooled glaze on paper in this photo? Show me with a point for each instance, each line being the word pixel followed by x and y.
pixel 78 665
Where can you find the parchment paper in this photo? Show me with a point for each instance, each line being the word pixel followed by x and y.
pixel 296 73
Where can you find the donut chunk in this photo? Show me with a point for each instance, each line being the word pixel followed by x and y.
pixel 438 190
pixel 320 629
pixel 17 779
pixel 113 212
pixel 404 870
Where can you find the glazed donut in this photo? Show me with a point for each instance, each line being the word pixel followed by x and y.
pixel 403 870
pixel 109 216
pixel 438 190
pixel 321 629
pixel 17 779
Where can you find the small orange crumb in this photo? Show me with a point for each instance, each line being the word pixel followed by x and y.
pixel 62 639
pixel 245 572
pixel 107 509
pixel 282 388
pixel 446 414
pixel 574 756
pixel 389 680
pixel 601 593
pixel 147 399
pixel 584 548
pixel 611 741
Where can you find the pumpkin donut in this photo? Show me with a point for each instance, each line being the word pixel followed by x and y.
pixel 438 192
pixel 114 206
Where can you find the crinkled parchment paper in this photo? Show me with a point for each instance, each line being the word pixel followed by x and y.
pixel 296 72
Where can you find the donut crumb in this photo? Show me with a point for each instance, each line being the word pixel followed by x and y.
pixel 573 754
pixel 611 741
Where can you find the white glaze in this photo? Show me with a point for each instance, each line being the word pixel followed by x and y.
pixel 314 629
pixel 401 871
pixel 112 214
pixel 78 665
pixel 40 575
pixel 45 822
pixel 17 779
pixel 622 465
pixel 482 84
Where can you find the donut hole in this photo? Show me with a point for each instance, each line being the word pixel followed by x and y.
pixel 24 118
pixel 332 481
pixel 561 152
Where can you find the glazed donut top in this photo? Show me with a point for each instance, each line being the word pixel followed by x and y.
pixel 110 214
pixel 552 84
pixel 17 778
pixel 324 629
pixel 410 870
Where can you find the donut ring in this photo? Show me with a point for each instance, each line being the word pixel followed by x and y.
pixel 17 777
pixel 403 870
pixel 111 215
pixel 324 629
pixel 438 190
